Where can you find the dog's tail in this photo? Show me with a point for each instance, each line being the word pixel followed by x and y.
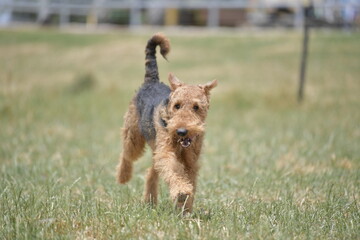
pixel 151 68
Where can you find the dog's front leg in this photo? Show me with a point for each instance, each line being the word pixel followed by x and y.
pixel 174 174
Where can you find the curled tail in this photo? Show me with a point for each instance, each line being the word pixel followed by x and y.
pixel 151 68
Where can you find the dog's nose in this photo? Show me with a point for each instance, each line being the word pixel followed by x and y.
pixel 181 132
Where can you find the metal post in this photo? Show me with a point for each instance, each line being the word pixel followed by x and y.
pixel 304 55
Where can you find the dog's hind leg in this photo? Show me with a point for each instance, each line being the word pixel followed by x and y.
pixel 133 145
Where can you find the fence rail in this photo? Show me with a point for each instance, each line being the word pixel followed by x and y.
pixel 65 8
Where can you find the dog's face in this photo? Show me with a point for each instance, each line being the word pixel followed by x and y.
pixel 187 110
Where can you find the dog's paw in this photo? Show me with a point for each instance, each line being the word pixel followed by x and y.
pixel 181 192
pixel 182 197
pixel 123 178
pixel 184 202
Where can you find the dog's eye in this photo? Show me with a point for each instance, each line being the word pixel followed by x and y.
pixel 177 106
pixel 196 107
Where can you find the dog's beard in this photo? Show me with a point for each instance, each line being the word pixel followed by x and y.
pixel 189 139
pixel 194 130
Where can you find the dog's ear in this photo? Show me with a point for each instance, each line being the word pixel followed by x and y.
pixel 208 86
pixel 174 82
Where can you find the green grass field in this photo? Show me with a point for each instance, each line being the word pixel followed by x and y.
pixel 271 168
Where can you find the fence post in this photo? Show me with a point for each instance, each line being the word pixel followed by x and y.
pixel 64 14
pixel 92 19
pixel 171 16
pixel 299 16
pixel 213 14
pixel 6 13
pixel 135 14
pixel 43 11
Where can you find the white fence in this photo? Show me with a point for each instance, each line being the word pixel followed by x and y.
pixel 65 8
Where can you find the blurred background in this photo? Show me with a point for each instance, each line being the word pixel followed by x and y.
pixel 272 168
pixel 213 13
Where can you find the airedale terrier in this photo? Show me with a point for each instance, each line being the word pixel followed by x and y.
pixel 171 121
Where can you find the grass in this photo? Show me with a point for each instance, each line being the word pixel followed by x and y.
pixel 271 168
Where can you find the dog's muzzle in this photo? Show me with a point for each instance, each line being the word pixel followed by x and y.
pixel 186 141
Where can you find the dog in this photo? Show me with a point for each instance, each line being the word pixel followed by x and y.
pixel 171 120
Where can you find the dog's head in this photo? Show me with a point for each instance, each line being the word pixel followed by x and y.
pixel 187 110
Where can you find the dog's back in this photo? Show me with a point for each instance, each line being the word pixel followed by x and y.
pixel 152 92
pixel 148 98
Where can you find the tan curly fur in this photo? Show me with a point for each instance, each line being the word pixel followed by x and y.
pixel 175 153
